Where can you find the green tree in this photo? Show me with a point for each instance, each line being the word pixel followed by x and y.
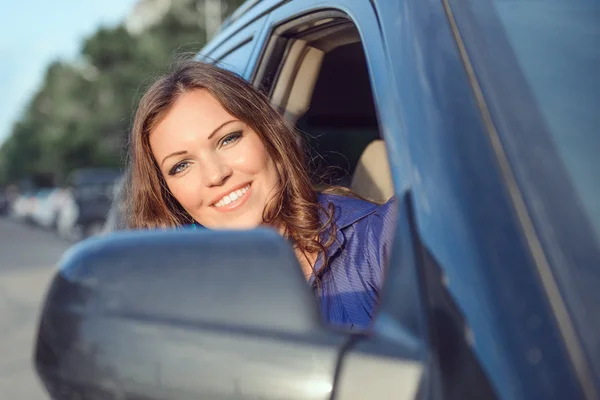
pixel 82 112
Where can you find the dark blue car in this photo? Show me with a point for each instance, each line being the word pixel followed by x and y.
pixel 481 116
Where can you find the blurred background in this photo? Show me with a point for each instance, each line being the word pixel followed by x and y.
pixel 72 73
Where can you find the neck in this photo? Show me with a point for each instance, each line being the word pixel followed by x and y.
pixel 307 262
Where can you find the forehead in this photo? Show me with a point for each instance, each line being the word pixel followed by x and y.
pixel 193 116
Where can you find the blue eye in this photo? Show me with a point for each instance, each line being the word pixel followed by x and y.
pixel 231 138
pixel 179 167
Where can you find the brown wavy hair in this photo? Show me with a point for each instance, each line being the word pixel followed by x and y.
pixel 294 208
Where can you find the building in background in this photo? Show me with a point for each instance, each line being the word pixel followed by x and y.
pixel 208 14
pixel 145 14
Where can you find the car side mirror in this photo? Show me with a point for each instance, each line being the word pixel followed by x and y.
pixel 199 314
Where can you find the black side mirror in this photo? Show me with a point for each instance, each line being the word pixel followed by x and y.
pixel 201 315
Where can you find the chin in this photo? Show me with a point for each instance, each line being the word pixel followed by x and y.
pixel 238 224
pixel 244 225
pixel 250 218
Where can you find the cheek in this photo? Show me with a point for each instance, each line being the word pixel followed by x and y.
pixel 185 191
pixel 252 158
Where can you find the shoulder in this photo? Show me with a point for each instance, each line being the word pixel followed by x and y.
pixel 354 272
pixel 364 232
pixel 351 211
pixel 362 227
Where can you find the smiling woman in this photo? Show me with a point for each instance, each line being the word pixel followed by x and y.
pixel 215 165
pixel 208 149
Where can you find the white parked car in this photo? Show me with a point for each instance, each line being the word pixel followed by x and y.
pixel 66 218
pixel 47 207
pixel 22 207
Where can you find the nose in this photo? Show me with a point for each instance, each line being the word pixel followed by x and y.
pixel 216 171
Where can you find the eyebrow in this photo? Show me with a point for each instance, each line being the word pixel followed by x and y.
pixel 181 152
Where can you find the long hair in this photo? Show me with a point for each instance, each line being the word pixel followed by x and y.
pixel 294 208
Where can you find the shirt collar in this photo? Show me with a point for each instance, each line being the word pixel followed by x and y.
pixel 348 210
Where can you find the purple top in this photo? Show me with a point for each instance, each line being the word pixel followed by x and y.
pixel 353 276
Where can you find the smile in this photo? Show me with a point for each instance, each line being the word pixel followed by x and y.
pixel 233 199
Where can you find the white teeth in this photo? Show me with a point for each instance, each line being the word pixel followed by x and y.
pixel 231 197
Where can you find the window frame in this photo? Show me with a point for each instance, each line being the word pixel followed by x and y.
pixel 251 34
pixel 239 69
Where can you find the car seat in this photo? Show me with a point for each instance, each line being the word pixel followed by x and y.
pixel 372 178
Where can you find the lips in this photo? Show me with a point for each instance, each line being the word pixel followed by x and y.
pixel 232 197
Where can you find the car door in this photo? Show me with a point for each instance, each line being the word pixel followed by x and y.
pixel 303 59
pixel 440 154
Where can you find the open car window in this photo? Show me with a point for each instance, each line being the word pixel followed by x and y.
pixel 318 77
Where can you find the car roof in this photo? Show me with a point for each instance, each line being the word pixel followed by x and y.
pixel 243 15
pixel 243 9
pixel 248 7
pixel 248 12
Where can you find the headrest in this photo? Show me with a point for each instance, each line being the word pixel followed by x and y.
pixel 372 178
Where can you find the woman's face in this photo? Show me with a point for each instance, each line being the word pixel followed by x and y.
pixel 214 164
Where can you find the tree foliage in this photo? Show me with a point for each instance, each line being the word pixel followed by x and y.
pixel 82 112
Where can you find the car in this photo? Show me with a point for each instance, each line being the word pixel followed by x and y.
pixel 48 205
pixel 23 206
pixel 479 116
pixel 87 202
pixel 114 220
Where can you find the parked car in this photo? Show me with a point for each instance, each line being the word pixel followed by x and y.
pixel 47 207
pixel 87 202
pixel 115 219
pixel 480 116
pixel 67 217
pixel 23 206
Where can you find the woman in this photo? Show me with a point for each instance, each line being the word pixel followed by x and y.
pixel 208 149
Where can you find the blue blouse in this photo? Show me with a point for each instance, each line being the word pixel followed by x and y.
pixel 349 287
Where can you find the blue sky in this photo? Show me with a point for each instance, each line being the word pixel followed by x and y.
pixel 34 33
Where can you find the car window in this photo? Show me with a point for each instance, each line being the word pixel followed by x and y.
pixel 322 85
pixel 341 119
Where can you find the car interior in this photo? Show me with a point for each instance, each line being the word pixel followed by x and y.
pixel 316 74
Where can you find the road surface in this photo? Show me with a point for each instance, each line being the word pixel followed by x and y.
pixel 28 256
